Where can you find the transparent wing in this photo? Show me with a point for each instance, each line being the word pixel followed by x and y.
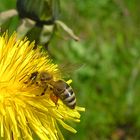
pixel 68 68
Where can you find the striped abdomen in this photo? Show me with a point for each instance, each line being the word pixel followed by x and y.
pixel 65 93
pixel 68 97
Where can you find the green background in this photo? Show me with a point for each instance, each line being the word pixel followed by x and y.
pixel 108 83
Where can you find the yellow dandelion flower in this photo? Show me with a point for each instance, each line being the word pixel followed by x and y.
pixel 23 111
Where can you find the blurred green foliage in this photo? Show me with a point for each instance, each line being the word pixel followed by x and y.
pixel 107 84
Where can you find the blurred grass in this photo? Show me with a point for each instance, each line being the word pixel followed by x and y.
pixel 108 83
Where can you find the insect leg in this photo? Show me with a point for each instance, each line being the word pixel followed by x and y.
pixel 54 98
pixel 43 93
